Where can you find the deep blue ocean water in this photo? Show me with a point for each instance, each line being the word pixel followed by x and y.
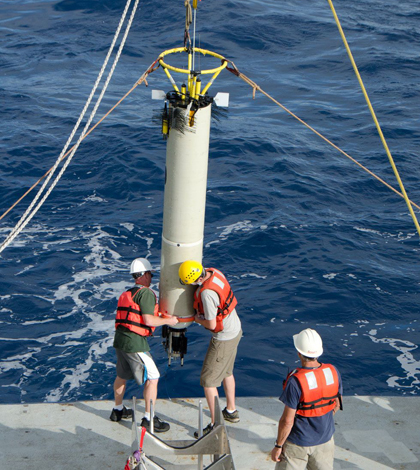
pixel 306 238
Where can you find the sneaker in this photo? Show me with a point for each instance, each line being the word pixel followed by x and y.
pixel 206 430
pixel 158 425
pixel 117 415
pixel 232 417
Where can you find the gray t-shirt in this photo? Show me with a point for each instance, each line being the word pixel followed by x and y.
pixel 231 324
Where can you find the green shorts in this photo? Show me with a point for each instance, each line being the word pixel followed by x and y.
pixel 219 361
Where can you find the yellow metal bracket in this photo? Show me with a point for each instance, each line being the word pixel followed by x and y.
pixel 192 75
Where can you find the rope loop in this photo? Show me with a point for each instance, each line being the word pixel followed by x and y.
pixel 31 210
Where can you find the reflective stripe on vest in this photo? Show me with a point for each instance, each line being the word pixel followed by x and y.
pixel 219 284
pixel 319 390
pixel 129 314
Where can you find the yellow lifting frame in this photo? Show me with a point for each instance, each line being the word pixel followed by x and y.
pixel 191 78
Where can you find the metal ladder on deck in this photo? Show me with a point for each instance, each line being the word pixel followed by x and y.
pixel 147 446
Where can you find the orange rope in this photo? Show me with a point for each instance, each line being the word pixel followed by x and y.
pixel 139 82
pixel 255 87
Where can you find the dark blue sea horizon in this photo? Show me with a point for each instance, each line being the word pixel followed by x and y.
pixel 305 236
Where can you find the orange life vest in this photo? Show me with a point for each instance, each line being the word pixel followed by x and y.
pixel 219 284
pixel 129 314
pixel 319 390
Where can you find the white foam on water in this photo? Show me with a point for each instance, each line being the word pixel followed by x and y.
pixel 242 226
pixel 253 275
pixel 92 198
pixel 330 276
pixel 101 261
pixel 86 289
pixel 410 366
pixel 80 374
pixel 400 236
pixel 211 243
pixel 26 268
pixel 128 226
pixel 30 234
pixel 38 322
pixel 367 230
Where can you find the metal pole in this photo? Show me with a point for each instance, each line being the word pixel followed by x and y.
pixel 152 416
pixel 200 432
pixel 135 435
pixel 193 61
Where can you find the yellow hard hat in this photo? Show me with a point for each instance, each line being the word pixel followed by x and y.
pixel 189 271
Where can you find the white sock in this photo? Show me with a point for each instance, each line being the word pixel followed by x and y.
pixel 231 411
pixel 147 416
pixel 119 407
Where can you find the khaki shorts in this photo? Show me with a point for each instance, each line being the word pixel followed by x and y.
pixel 219 361
pixel 296 457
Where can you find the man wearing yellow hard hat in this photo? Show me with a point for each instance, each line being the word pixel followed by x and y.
pixel 214 303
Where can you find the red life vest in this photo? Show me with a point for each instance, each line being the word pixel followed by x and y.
pixel 129 314
pixel 319 390
pixel 219 284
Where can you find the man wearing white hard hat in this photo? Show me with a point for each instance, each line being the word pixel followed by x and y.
pixel 137 317
pixel 311 395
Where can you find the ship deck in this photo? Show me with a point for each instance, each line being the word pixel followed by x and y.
pixel 372 433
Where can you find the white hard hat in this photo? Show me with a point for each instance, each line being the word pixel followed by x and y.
pixel 140 265
pixel 309 343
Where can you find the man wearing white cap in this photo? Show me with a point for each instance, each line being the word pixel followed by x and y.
pixel 311 395
pixel 137 317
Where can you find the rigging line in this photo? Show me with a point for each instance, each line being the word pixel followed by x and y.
pixel 139 82
pixel 188 21
pixel 255 87
pixel 15 232
pixel 41 190
pixel 195 20
pixel 391 160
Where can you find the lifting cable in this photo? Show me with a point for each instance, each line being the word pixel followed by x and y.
pixel 256 88
pixel 27 216
pixel 391 160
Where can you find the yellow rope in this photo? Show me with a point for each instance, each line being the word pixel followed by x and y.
pixel 256 87
pixel 374 117
pixel 139 82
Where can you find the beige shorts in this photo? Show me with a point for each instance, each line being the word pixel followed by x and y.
pixel 312 458
pixel 219 361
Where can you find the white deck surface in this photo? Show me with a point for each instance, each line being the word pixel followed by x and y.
pixel 372 433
